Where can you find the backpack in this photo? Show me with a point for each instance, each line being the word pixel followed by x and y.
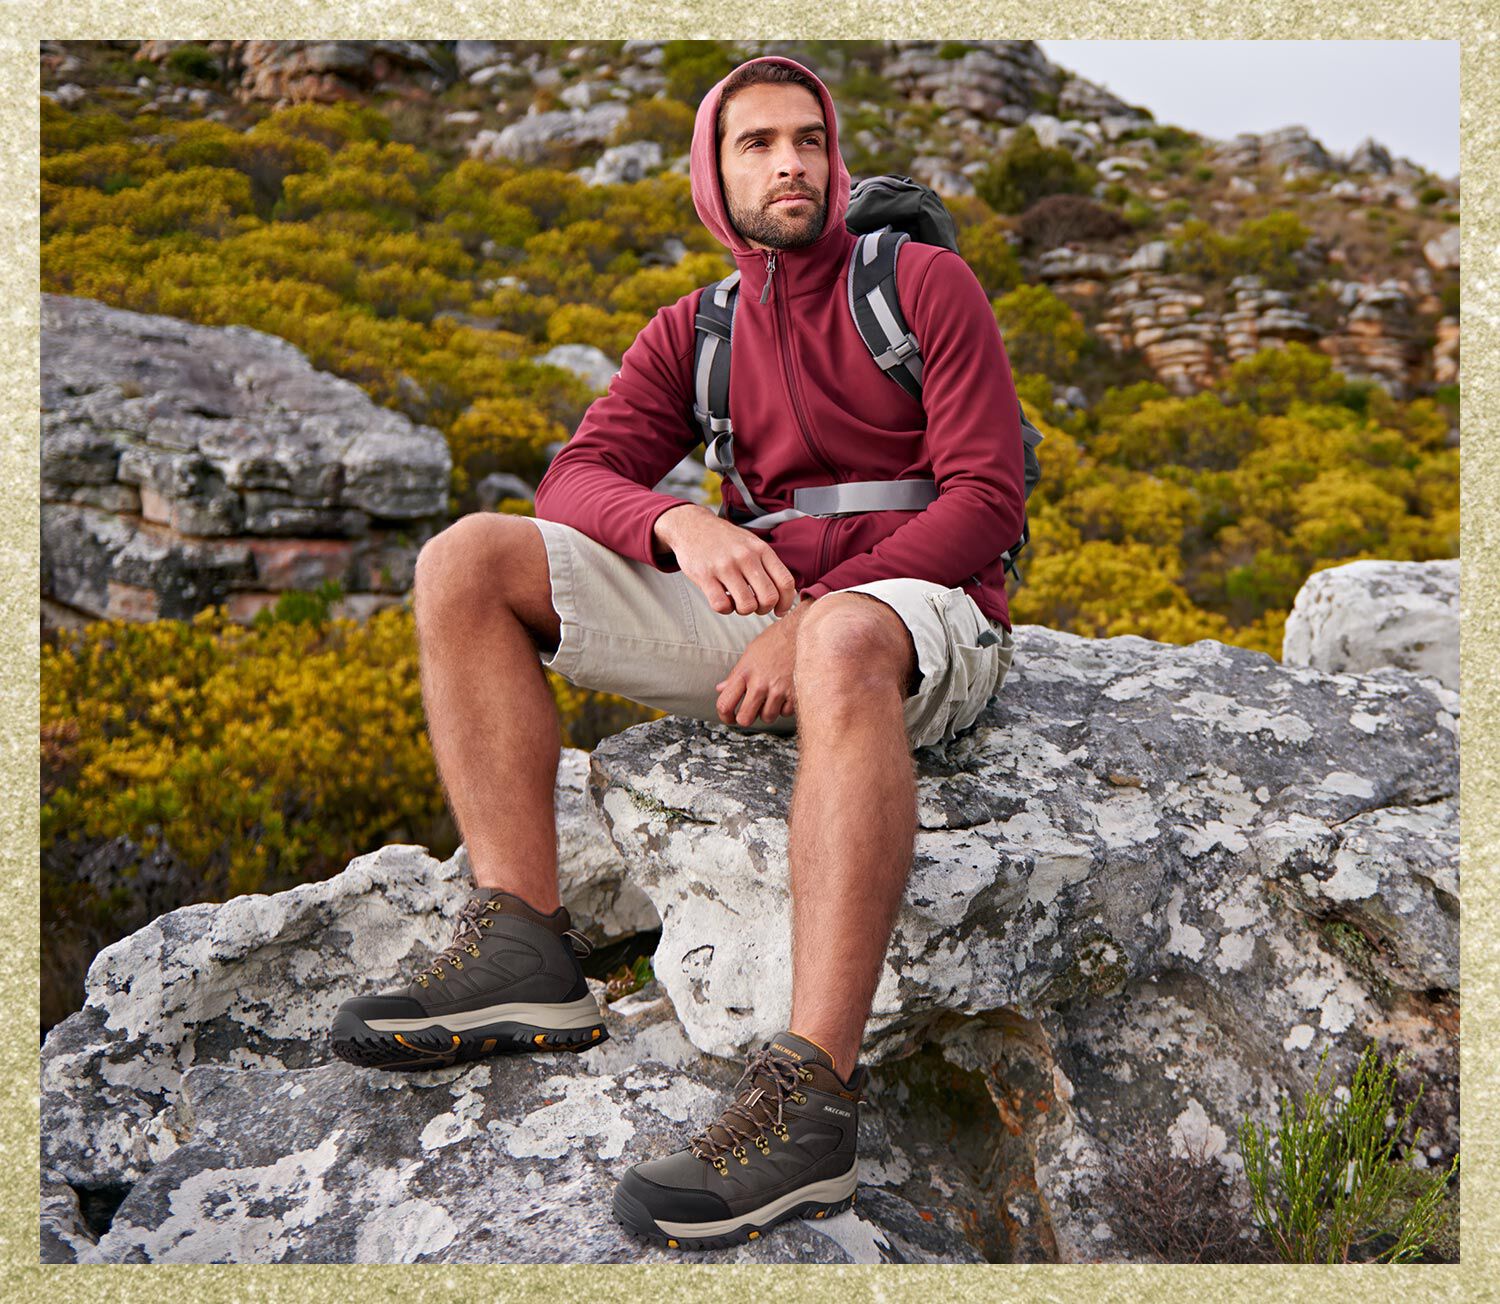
pixel 884 212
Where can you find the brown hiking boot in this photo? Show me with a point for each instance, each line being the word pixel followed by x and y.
pixel 508 981
pixel 784 1149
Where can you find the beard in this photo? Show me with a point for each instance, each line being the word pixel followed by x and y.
pixel 778 229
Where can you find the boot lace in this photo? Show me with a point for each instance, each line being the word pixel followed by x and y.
pixel 769 1080
pixel 473 917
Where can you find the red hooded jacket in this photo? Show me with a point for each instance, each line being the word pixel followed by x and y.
pixel 810 407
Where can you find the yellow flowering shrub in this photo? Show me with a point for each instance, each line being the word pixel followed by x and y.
pixel 497 434
pixel 260 755
pixel 582 323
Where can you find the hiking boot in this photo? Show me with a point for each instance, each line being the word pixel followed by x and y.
pixel 508 981
pixel 784 1149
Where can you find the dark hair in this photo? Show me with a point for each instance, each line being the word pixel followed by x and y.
pixel 753 74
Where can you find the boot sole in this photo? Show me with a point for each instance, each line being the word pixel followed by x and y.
pixel 819 1200
pixel 520 1029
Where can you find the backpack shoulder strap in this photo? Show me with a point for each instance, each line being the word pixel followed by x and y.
pixel 713 334
pixel 876 308
pixel 713 329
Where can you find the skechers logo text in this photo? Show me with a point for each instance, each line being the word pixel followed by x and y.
pixel 787 1051
pixel 834 1109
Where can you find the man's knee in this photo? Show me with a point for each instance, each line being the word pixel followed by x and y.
pixel 853 642
pixel 481 559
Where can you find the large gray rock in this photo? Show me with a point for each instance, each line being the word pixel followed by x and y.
pixel 531 139
pixel 195 1091
pixel 1443 251
pixel 1367 614
pixel 624 163
pixel 514 1160
pixel 186 465
pixel 583 360
pixel 1142 851
pixel 255 982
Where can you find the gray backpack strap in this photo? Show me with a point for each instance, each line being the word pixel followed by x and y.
pixel 876 308
pixel 714 324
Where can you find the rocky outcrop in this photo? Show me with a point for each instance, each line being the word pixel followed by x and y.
pixel 185 465
pixel 1166 317
pixel 1375 342
pixel 294 72
pixel 193 1109
pixel 1262 317
pixel 535 138
pixel 1286 147
pixel 1149 891
pixel 1363 615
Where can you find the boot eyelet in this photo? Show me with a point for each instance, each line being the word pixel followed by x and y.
pixel 485 923
pixel 805 1074
pixel 457 963
pixel 424 982
pixel 762 1145
pixel 739 1153
pixel 720 1166
pixel 780 1130
pixel 799 1098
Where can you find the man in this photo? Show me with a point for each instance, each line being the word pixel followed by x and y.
pixel 869 634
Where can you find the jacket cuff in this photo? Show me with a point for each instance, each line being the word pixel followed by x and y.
pixel 811 592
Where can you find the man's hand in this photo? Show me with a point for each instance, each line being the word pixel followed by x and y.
pixel 736 569
pixel 761 682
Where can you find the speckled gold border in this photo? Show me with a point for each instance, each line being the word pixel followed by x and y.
pixel 25 25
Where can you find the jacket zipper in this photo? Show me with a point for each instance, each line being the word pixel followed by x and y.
pixel 784 345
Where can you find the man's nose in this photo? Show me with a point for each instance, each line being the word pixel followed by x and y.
pixel 789 162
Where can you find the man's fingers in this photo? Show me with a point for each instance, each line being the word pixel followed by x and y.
pixel 742 596
pixel 786 586
pixel 729 697
pixel 774 708
pixel 750 707
pixel 766 595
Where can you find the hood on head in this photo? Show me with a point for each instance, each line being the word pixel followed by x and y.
pixel 708 192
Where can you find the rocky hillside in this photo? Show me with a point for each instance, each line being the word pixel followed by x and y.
pixel 1376 273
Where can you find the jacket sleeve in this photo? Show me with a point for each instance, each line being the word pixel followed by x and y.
pixel 632 435
pixel 973 441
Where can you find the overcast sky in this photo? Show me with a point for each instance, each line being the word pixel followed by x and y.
pixel 1404 93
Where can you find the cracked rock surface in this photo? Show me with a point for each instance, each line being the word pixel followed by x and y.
pixel 192 1111
pixel 186 465
pixel 1367 614
pixel 1155 883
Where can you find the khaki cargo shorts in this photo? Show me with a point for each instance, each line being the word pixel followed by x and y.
pixel 650 636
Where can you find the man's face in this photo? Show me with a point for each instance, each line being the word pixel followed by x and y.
pixel 775 146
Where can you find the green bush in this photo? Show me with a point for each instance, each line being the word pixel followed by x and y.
pixel 1028 171
pixel 193 62
pixel 990 255
pixel 693 68
pixel 1261 246
pixel 1040 331
pixel 1326 1185
pixel 952 50
pixel 668 122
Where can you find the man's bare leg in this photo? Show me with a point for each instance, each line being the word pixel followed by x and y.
pixel 853 818
pixel 483 602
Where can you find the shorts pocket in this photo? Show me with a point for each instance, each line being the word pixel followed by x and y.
pixel 974 672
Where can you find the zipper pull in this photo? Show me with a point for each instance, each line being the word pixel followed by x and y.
pixel 770 272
